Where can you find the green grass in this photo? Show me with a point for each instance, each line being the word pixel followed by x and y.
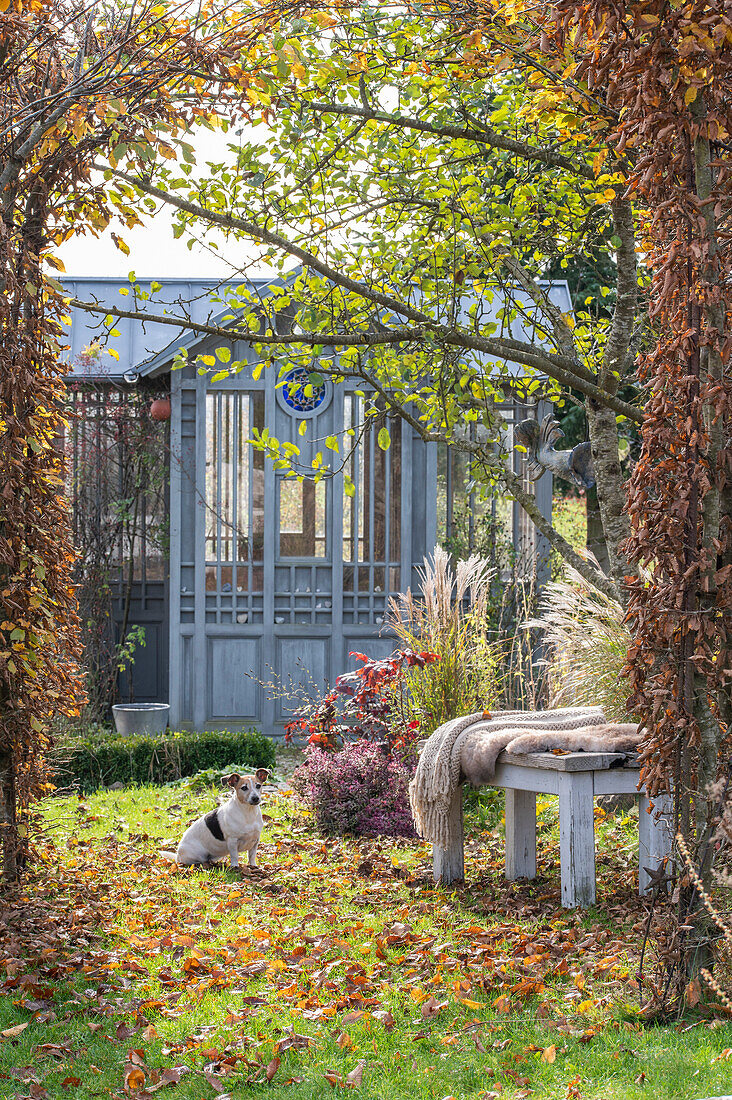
pixel 110 950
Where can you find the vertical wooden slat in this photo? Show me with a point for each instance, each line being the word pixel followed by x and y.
pixel 250 496
pixel 336 555
pixel 175 674
pixel 235 400
pixel 269 643
pixel 408 489
pixel 219 499
pixel 358 509
pixel 199 642
pixel 387 518
pixel 430 534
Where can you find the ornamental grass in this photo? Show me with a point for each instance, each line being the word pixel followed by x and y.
pixel 449 617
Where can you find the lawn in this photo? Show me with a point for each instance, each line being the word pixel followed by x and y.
pixel 339 966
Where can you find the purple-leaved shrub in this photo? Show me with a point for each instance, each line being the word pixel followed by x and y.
pixel 358 791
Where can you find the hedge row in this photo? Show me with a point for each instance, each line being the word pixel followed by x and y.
pixel 103 758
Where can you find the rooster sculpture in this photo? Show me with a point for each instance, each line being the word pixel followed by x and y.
pixel 539 439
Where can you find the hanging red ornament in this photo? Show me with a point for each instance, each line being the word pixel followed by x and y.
pixel 160 409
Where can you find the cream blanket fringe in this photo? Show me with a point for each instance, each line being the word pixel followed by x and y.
pixel 438 771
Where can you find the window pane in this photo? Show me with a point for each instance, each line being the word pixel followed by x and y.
pixel 302 519
pixel 234 481
pixel 372 515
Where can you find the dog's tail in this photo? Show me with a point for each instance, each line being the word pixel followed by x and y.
pixel 169 856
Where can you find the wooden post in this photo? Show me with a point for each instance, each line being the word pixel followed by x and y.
pixel 520 834
pixel 577 838
pixel 654 837
pixel 448 864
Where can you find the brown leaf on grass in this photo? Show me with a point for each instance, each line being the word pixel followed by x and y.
pixel 150 1033
pixel 134 1079
pixel 344 1040
pixel 70 1082
pixel 640 1079
pixel 11 1032
pixel 214 1081
pixel 355 1077
pixel 385 1017
pixel 334 1079
pixel 549 1054
pixel 272 1068
pixel 431 1007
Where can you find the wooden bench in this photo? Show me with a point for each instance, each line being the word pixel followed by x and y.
pixel 578 778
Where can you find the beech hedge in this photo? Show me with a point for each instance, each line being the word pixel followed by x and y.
pixel 102 757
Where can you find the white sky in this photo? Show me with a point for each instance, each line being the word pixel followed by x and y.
pixel 154 251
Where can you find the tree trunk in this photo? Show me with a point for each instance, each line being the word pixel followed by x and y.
pixel 596 543
pixel 8 820
pixel 610 490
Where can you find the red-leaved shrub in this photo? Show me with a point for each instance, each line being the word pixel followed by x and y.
pixel 360 791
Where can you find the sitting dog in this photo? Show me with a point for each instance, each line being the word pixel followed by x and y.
pixel 232 828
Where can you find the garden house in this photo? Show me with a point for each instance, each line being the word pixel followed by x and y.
pixel 239 576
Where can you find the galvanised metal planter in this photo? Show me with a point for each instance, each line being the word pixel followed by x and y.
pixel 141 717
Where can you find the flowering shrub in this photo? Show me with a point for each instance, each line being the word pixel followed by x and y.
pixel 360 790
pixel 370 704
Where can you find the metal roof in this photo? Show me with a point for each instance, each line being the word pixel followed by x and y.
pixel 148 348
pixel 138 341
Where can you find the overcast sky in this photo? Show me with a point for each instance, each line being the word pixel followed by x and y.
pixel 154 252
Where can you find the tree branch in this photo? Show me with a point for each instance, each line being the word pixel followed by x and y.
pixel 486 135
pixel 513 483
pixel 511 350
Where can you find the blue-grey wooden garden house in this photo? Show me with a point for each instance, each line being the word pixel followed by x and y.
pixel 268 580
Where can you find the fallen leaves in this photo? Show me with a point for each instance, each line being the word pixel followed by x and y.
pixel 11 1032
pixel 351 1080
pixel 306 977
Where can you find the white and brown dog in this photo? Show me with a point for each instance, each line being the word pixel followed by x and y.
pixel 232 828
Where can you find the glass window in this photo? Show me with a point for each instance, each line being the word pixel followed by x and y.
pixel 302 518
pixel 372 515
pixel 234 485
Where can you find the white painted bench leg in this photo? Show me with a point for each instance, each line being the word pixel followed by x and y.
pixel 520 834
pixel 654 837
pixel 448 864
pixel 577 838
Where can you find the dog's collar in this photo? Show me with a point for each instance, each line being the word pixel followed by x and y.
pixel 212 821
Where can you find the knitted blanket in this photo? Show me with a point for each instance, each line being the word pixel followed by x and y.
pixel 438 771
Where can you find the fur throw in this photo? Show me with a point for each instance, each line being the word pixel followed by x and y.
pixel 622 737
pixel 480 750
pixel 440 763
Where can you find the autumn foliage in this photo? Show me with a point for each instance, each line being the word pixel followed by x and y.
pixel 372 703
pixel 77 84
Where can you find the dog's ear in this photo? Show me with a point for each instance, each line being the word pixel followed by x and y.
pixel 262 775
pixel 231 780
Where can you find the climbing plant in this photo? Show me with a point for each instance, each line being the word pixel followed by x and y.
pixel 79 81
pixel 668 73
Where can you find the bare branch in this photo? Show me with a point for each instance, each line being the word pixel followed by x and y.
pixel 510 481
